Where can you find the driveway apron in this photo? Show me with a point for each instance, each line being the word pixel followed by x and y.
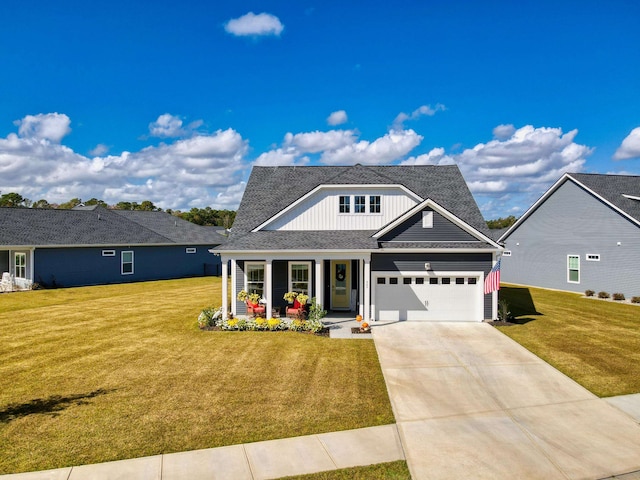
pixel 472 403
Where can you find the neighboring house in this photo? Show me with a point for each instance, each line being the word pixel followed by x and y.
pixel 386 242
pixel 95 245
pixel 582 234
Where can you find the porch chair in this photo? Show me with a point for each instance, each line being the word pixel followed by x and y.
pixel 255 310
pixel 295 311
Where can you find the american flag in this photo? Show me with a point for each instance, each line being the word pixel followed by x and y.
pixel 492 282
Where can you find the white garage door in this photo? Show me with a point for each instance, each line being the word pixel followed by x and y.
pixel 429 298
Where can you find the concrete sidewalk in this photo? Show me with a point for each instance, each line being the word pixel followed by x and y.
pixel 251 461
pixel 471 403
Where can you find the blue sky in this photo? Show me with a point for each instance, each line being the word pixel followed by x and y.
pixel 174 102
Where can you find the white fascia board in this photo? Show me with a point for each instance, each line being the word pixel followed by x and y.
pixel 109 245
pixel 631 197
pixel 534 207
pixel 442 211
pixel 296 254
pixel 438 250
pixel 334 187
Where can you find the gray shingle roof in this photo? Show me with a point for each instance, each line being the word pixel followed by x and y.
pixel 99 226
pixel 613 188
pixel 272 189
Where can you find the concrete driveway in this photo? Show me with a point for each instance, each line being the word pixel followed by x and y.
pixel 472 403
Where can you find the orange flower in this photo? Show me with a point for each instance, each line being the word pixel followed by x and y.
pixel 365 325
pixel 358 318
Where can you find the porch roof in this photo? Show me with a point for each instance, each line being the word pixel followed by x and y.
pixel 302 240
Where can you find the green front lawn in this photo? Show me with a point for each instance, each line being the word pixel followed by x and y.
pixel 103 373
pixel 595 342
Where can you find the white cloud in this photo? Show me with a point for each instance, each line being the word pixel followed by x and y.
pixel 388 148
pixel 99 150
pixel 630 147
pixel 417 113
pixel 166 125
pixel 255 25
pixel 502 132
pixel 49 126
pixel 313 142
pixel 337 118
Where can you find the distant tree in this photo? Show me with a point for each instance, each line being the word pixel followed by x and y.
pixel 501 222
pixel 148 206
pixel 74 202
pixel 13 199
pixel 95 201
pixel 42 203
pixel 209 216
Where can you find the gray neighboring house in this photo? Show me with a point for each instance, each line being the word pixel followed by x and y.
pixel 582 234
pixel 385 242
pixel 95 245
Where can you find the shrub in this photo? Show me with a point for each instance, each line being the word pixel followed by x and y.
pixel 635 299
pixel 589 293
pixel 504 315
pixel 258 323
pixel 297 325
pixel 603 295
pixel 618 296
pixel 209 317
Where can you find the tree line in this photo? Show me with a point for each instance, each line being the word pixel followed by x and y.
pixel 200 216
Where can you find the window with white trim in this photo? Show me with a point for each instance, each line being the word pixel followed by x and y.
pixel 573 268
pixel 360 205
pixel 299 277
pixel 592 257
pixel 20 265
pixel 108 253
pixel 126 262
pixel 254 278
pixel 190 250
pixel 506 253
pixel 345 204
pixel 374 204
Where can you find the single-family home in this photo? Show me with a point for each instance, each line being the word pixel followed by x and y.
pixel 582 234
pixel 384 242
pixel 94 245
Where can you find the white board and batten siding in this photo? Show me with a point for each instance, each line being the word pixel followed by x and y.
pixel 320 211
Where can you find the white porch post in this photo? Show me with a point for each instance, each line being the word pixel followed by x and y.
pixel 268 288
pixel 367 289
pixel 31 265
pixel 225 276
pixel 319 284
pixel 361 289
pixel 234 288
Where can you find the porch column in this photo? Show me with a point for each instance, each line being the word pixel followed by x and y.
pixel 31 266
pixel 234 288
pixel 225 276
pixel 319 284
pixel 361 289
pixel 367 289
pixel 268 288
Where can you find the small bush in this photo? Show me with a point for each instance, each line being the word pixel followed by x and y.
pixel 209 317
pixel 603 295
pixel 618 296
pixel 504 315
pixel 589 293
pixel 635 299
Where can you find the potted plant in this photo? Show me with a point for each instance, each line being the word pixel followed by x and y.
pixel 290 296
pixel 302 298
pixel 242 295
pixel 254 298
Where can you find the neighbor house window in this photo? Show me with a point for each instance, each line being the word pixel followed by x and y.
pixel 126 263
pixel 21 265
pixel 255 278
pixel 506 253
pixel 427 219
pixel 108 253
pixel 360 204
pixel 374 204
pixel 593 257
pixel 345 204
pixel 299 277
pixel 573 268
pixel 190 250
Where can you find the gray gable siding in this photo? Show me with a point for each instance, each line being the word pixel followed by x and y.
pixel 571 221
pixel 70 267
pixel 414 262
pixel 443 231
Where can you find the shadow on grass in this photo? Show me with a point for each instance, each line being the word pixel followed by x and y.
pixel 520 304
pixel 51 405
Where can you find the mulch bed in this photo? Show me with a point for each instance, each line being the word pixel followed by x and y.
pixel 322 333
pixel 357 330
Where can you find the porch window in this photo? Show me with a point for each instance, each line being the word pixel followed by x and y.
pixel 126 263
pixel 299 277
pixel 255 278
pixel 360 204
pixel 573 268
pixel 345 203
pixel 21 265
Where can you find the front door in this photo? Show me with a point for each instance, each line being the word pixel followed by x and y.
pixel 341 284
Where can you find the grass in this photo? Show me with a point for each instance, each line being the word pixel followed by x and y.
pixel 103 373
pixel 382 471
pixel 595 342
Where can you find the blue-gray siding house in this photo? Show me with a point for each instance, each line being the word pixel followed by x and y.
pixel 582 234
pixel 385 242
pixel 95 245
